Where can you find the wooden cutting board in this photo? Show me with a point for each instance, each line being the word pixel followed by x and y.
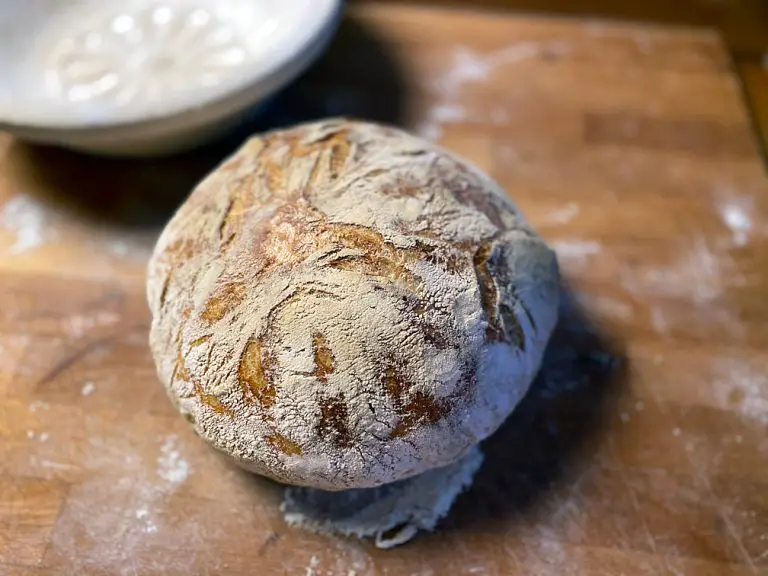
pixel 643 448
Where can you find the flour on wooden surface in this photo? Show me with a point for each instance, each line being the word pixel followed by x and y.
pixel 699 274
pixel 88 389
pixel 148 526
pixel 560 216
pixel 38 405
pixel 170 465
pixel 313 562
pixel 35 224
pixel 575 251
pixel 78 325
pixel 739 386
pixel 471 67
pixel 735 215
pixel 116 514
pixel 27 219
pixel 51 464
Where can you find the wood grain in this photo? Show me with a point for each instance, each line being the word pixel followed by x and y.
pixel 743 23
pixel 642 448
pixel 754 74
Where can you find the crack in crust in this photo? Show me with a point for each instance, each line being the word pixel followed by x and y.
pixel 333 423
pixel 503 323
pixel 226 298
pixel 254 374
pixel 417 408
pixel 325 363
pixel 181 372
pixel 242 201
pixel 489 293
pixel 270 177
pixel 298 231
pixel 173 258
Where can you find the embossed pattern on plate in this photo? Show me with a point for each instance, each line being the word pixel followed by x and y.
pixel 139 57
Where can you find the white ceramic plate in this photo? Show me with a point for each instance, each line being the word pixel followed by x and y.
pixel 136 77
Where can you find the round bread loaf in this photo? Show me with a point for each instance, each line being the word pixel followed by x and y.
pixel 342 305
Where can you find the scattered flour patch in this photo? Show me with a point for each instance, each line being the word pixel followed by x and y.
pixel 78 325
pixel 698 275
pixel 31 434
pixel 562 215
pixel 56 465
pixel 624 417
pixel 119 248
pixel 470 67
pixel 313 563
pixel 606 306
pixel 639 405
pixel 147 525
pixel 129 510
pixel 614 308
pixel 28 219
pixel 38 405
pixel 676 431
pixel 150 528
pixel 44 437
pixel 171 467
pixel 576 251
pixel 88 389
pixel 35 224
pixel 449 113
pixel 737 386
pixel 737 219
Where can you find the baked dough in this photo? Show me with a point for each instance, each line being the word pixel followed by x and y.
pixel 342 305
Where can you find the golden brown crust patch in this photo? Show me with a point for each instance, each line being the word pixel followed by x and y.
pixel 325 363
pixel 255 365
pixel 222 302
pixel 285 445
pixel 414 408
pixel 333 423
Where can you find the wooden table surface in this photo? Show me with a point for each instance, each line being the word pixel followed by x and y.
pixel 642 448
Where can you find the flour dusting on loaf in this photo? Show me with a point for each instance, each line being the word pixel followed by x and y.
pixel 342 305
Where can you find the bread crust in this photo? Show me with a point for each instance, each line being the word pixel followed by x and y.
pixel 342 305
